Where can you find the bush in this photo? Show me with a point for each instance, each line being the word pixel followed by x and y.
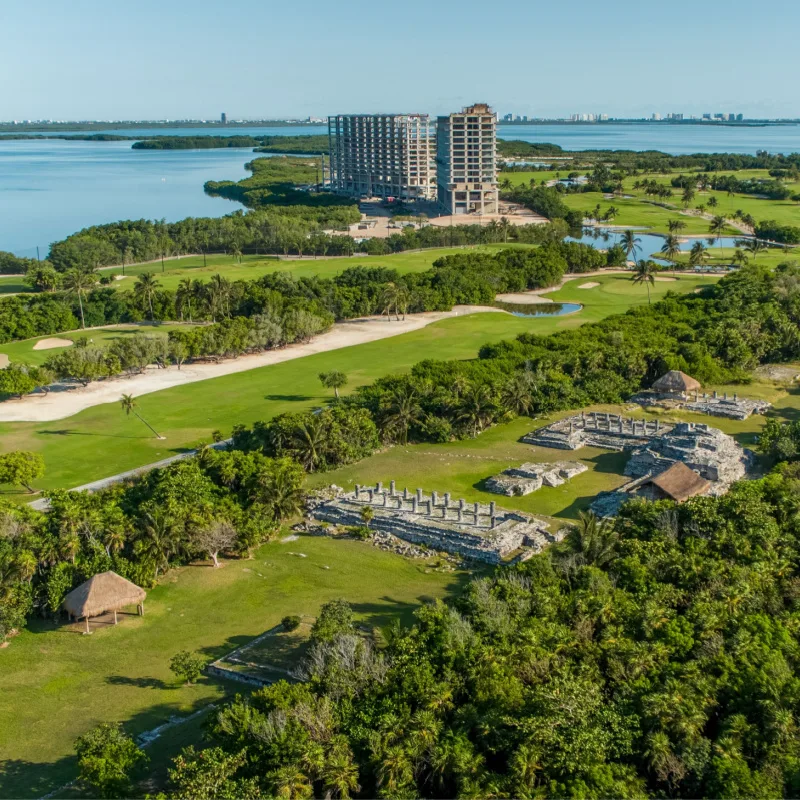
pixel 187 666
pixel 106 759
pixel 290 623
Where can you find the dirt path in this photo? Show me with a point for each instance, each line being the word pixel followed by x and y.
pixel 61 404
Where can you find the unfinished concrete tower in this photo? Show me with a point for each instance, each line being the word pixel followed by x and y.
pixel 466 161
pixel 382 155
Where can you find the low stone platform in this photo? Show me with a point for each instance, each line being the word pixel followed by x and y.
pixel 597 429
pixel 530 477
pixel 472 530
pixel 714 405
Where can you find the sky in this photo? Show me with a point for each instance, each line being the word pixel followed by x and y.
pixel 261 59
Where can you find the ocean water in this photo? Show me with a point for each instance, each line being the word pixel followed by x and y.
pixel 51 188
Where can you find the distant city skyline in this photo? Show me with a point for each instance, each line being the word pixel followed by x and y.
pixel 261 60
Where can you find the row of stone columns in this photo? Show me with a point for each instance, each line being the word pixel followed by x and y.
pixel 715 396
pixel 370 495
pixel 595 422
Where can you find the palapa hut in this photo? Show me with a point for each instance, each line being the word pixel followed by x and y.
pixel 677 483
pixel 675 382
pixel 106 591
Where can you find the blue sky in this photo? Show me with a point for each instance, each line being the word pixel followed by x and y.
pixel 113 59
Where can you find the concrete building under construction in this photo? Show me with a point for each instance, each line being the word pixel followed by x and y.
pixel 382 155
pixel 466 161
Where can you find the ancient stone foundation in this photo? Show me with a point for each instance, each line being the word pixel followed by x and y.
pixel 596 429
pixel 713 404
pixel 472 530
pixel 530 477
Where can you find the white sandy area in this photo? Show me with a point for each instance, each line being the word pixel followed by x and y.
pixel 3 360
pixel 61 404
pixel 589 285
pixel 523 297
pixel 50 344
pixel 664 280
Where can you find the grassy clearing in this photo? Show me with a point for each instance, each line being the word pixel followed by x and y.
pixel 12 284
pixel 58 684
pixel 723 256
pixel 23 350
pixel 101 441
pixel 463 467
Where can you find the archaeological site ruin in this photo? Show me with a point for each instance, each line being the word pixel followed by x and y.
pixel 530 477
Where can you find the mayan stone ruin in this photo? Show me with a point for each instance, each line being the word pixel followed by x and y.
pixel 472 530
pixel 530 477
pixel 597 429
pixel 713 461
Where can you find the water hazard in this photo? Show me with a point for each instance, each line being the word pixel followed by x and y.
pixel 538 309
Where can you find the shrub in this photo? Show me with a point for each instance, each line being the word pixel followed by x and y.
pixel 290 623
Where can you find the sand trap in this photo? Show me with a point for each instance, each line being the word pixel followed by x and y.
pixel 589 285
pixel 4 362
pixel 59 405
pixel 523 298
pixel 121 277
pixel 49 344
pixel 664 280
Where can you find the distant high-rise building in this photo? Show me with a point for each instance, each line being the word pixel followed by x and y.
pixel 656 117
pixel 740 117
pixel 382 155
pixel 706 116
pixel 603 118
pixel 466 161
pixel 508 118
pixel 223 118
pixel 719 116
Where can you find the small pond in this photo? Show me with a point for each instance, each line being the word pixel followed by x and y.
pixel 603 238
pixel 538 309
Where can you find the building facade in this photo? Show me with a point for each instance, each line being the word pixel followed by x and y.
pixel 466 161
pixel 382 155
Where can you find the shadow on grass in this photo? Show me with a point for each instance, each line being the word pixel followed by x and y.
pixel 575 507
pixel 141 683
pixel 288 398
pixel 73 432
pixel 609 463
pixel 21 778
pixel 216 651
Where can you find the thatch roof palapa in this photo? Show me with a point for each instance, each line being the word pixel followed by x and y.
pixel 106 591
pixel 680 482
pixel 675 381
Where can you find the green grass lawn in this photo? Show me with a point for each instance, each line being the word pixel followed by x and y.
pixel 11 284
pixel 58 684
pixel 101 441
pixel 719 257
pixel 23 350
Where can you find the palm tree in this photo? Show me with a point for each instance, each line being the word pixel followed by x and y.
pixel 754 247
pixel 739 257
pixel 219 294
pixel 698 254
pixel 183 297
pixel 403 411
pixel 308 442
pixel 676 225
pixel 340 775
pixel 145 287
pixel 158 542
pixel 645 273
pixel 630 243
pixel 391 300
pixel 592 540
pixel 333 380
pixel 79 282
pixel 129 407
pixel 477 408
pixel 671 247
pixel 688 196
pixel 289 783
pixel 717 227
pixel 279 492
pixel 713 202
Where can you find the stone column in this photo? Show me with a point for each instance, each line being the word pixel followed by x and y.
pixel 492 521
pixel 400 503
pixel 444 512
pixel 434 497
pixel 419 495
pixel 726 396
pixel 461 504
pixel 715 395
pixel 414 503
pixel 735 397
pixel 460 515
pixel 356 491
pixel 378 487
pixel 492 508
pixel 430 507
pixel 447 499
pixel 385 498
pixel 391 488
pixel 369 495
pixel 477 509
pixel 405 493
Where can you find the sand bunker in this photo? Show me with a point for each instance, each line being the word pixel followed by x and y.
pixel 664 280
pixel 589 285
pixel 121 277
pixel 49 344
pixel 523 298
pixel 3 360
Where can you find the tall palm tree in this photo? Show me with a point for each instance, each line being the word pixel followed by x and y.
pixel 278 491
pixel 219 294
pixel 183 297
pixel 593 540
pixel 477 408
pixel 340 774
pixel 754 247
pixel 698 255
pixel 717 227
pixel 158 541
pixel 676 225
pixel 739 257
pixel 129 406
pixel 630 243
pixel 308 443
pixel 403 411
pixel 645 273
pixel 79 282
pixel 145 287
pixel 671 247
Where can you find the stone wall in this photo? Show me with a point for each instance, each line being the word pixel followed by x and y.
pixel 530 477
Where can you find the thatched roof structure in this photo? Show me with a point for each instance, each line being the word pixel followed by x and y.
pixel 679 482
pixel 675 381
pixel 104 592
